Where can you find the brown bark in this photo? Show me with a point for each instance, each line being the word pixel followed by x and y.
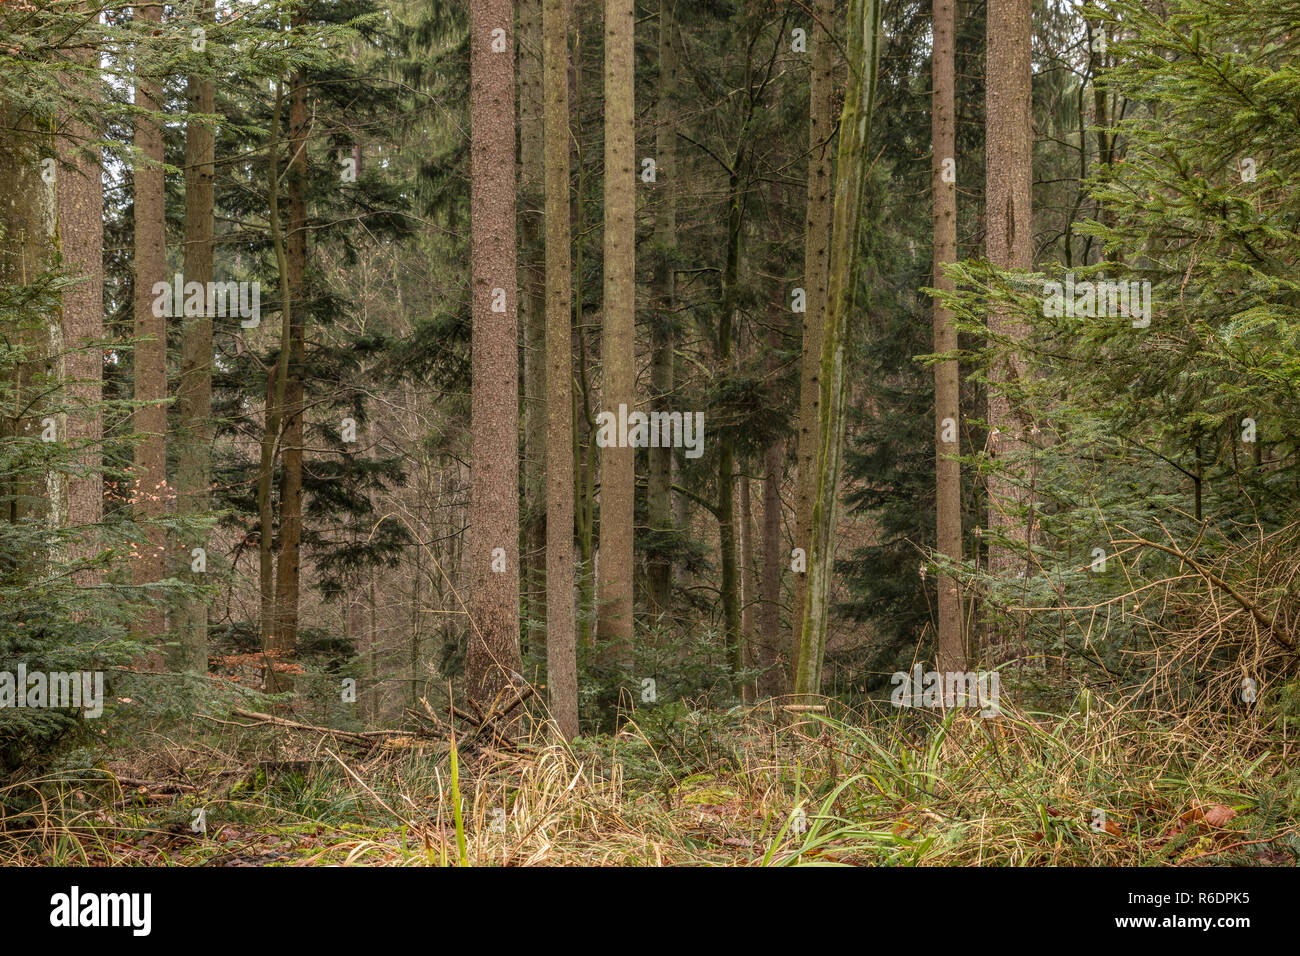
pixel 28 244
pixel 194 392
pixel 288 567
pixel 618 344
pixel 659 503
pixel 817 224
pixel 80 197
pixel 493 656
pixel 951 648
pixel 273 681
pixel 750 582
pixel 561 627
pixel 150 332
pixel 532 305
pixel 1008 188
pixel 771 678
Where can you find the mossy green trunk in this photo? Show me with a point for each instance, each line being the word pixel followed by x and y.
pixel 850 177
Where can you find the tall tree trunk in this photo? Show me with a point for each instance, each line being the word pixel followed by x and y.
pixel 533 306
pixel 561 632
pixel 194 393
pixel 730 581
pixel 493 656
pixel 659 503
pixel 80 195
pixel 841 282
pixel 771 678
pixel 288 568
pixel 1008 188
pixel 584 449
pixel 817 227
pixel 274 652
pixel 618 342
pixel 951 647
pixel 28 249
pixel 749 605
pixel 150 330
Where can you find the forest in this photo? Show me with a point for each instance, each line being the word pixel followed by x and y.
pixel 649 433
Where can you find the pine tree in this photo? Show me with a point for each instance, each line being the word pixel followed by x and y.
pixel 561 629
pixel 493 655
pixel 618 343
pixel 841 288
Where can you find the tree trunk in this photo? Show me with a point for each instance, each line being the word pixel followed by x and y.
pixel 951 647
pixel 533 306
pixel 273 681
pixel 194 393
pixel 80 196
pixel 850 177
pixel 771 678
pixel 150 331
pixel 730 583
pixel 288 568
pixel 493 657
pixel 618 342
pixel 561 633
pixel 659 503
pixel 28 249
pixel 1008 187
pixel 817 225
pixel 748 652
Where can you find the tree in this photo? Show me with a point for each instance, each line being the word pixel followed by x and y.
pixel 274 678
pixel 817 226
pixel 1008 240
pixel 659 502
pixel 288 566
pixel 150 366
pixel 80 196
pixel 532 304
pixel 193 433
pixel 618 344
pixel 493 655
pixel 561 625
pixel 841 287
pixel 951 649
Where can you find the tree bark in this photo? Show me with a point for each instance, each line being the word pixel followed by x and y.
pixel 194 392
pixel 750 601
pixel 28 248
pixel 951 647
pixel 730 582
pixel 80 195
pixel 561 628
pixel 659 503
pixel 150 331
pixel 618 343
pixel 533 305
pixel 493 656
pixel 817 224
pixel 1008 188
pixel 288 567
pixel 273 681
pixel 850 177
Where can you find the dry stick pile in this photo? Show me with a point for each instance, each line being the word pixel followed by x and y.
pixel 491 724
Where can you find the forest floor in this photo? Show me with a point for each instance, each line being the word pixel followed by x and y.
pixel 1112 787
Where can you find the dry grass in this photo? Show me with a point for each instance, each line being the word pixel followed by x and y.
pixel 927 790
